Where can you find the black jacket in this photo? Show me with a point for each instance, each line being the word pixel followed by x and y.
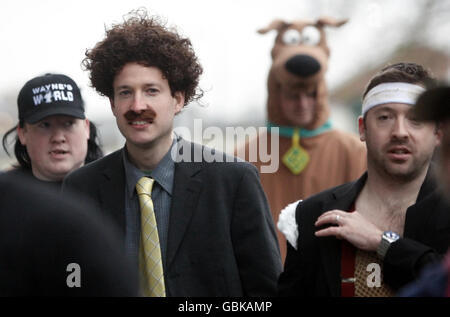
pixel 221 239
pixel 42 235
pixel 314 270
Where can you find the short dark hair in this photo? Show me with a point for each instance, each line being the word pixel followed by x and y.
pixel 145 40
pixel 94 151
pixel 402 72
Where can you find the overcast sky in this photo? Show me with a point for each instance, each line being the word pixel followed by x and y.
pixel 52 36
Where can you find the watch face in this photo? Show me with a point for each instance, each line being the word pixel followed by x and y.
pixel 392 235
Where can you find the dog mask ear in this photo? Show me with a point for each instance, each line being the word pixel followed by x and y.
pixel 329 21
pixel 274 25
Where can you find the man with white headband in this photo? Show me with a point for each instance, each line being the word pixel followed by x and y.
pixel 374 235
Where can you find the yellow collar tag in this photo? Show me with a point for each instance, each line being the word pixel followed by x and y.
pixel 296 158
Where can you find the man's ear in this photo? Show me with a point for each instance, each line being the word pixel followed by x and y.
pixel 88 128
pixel 113 107
pixel 21 133
pixel 361 129
pixel 179 97
pixel 439 131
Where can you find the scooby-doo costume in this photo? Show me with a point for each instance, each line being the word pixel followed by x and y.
pixel 314 157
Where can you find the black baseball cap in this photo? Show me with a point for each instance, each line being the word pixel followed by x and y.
pixel 434 104
pixel 47 95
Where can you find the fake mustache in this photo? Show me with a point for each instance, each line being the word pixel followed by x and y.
pixel 145 115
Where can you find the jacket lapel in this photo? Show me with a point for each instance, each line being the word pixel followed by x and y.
pixel 427 199
pixel 186 191
pixel 330 247
pixel 112 191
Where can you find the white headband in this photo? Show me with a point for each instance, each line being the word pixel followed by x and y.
pixel 391 93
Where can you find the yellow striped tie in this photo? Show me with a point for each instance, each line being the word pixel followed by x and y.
pixel 150 250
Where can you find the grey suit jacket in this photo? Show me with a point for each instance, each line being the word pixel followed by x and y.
pixel 221 239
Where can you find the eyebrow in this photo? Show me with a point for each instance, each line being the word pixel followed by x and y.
pixel 410 113
pixel 125 86
pixel 150 83
pixel 384 108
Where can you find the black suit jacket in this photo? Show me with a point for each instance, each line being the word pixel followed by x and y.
pixel 314 268
pixel 42 233
pixel 221 239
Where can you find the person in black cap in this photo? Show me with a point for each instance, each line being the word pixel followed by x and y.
pixel 53 135
pixel 51 244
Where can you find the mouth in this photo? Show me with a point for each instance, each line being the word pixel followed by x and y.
pixel 399 153
pixel 140 123
pixel 58 153
pixel 140 119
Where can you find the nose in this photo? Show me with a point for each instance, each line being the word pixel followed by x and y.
pixel 302 101
pixel 138 103
pixel 58 136
pixel 400 130
pixel 303 65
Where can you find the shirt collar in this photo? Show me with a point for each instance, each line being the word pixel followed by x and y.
pixel 162 174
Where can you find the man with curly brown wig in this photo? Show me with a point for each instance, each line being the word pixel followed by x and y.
pixel 212 230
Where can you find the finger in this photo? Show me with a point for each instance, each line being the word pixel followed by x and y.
pixel 330 231
pixel 334 213
pixel 331 218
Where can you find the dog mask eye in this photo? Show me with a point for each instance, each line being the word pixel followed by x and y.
pixel 292 37
pixel 310 35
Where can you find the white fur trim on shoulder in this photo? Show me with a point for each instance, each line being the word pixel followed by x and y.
pixel 287 225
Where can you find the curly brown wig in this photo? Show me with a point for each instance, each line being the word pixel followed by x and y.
pixel 145 40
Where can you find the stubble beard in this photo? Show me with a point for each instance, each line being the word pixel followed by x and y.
pixel 398 174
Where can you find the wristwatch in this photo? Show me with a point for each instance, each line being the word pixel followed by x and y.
pixel 387 238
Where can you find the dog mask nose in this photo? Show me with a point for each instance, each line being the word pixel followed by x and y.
pixel 302 65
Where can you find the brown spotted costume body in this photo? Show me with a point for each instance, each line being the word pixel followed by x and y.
pixel 335 156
